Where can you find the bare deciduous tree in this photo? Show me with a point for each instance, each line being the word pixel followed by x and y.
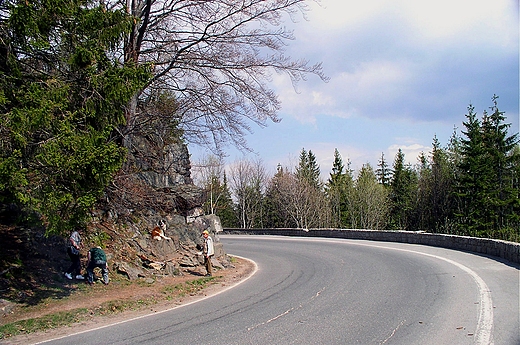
pixel 248 182
pixel 217 57
pixel 208 173
pixel 305 205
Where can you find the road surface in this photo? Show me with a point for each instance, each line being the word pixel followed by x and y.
pixel 336 291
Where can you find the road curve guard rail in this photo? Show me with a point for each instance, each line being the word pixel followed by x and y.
pixel 503 249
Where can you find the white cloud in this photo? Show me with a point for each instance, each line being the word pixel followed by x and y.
pixel 401 72
pixel 333 15
pixel 371 81
pixel 411 152
pixel 372 74
pixel 320 99
pixel 449 19
pixel 402 58
pixel 441 19
pixel 347 94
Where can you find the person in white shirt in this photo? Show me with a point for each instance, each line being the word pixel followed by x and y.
pixel 208 251
pixel 73 250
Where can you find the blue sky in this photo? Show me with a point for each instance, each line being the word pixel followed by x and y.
pixel 401 72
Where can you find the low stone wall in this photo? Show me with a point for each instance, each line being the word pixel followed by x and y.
pixel 502 249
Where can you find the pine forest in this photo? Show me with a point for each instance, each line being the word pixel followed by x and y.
pixel 468 187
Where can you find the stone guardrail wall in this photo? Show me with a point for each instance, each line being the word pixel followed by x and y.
pixel 502 249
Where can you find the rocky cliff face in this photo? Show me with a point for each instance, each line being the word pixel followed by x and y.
pixel 155 187
pixel 164 167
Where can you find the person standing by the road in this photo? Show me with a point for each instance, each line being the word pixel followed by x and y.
pixel 73 249
pixel 208 252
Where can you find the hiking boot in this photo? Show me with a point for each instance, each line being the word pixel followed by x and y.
pixel 80 277
pixel 68 276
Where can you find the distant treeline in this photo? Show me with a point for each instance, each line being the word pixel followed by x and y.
pixel 469 187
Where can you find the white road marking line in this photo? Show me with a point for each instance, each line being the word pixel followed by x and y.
pixel 162 311
pixel 286 312
pixel 484 331
pixel 270 320
pixel 393 332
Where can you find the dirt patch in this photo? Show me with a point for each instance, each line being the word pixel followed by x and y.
pixel 92 297
pixel 32 286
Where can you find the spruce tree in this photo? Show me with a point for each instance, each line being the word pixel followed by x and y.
pixel 502 196
pixel 422 210
pixel 486 193
pixel 403 188
pixel 435 188
pixel 219 202
pixel 514 227
pixel 383 172
pixel 338 188
pixel 312 207
pixel 442 187
pixel 273 217
pixel 308 170
pixel 471 170
pixel 280 202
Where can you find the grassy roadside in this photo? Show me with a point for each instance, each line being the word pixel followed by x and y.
pixel 113 306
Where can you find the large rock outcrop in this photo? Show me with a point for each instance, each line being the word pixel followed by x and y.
pixel 155 187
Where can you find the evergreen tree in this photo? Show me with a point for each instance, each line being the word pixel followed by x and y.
pixel 454 159
pixel 61 97
pixel 442 203
pixel 383 172
pixel 273 217
pixel 487 195
pixel 421 214
pixel 337 168
pixel 226 211
pixel 435 188
pixel 503 158
pixel 486 192
pixel 514 228
pixel 333 188
pixel 282 200
pixel 210 174
pixel 338 188
pixel 308 169
pixel 473 179
pixel 219 201
pixel 314 171
pixel 402 193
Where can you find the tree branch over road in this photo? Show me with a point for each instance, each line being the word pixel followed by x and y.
pixel 217 57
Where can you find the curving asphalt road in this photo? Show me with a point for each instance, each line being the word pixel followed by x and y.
pixel 334 291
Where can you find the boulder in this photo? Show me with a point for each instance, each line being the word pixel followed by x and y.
pixel 132 272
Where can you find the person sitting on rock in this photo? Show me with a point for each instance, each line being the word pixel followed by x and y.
pixel 97 258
